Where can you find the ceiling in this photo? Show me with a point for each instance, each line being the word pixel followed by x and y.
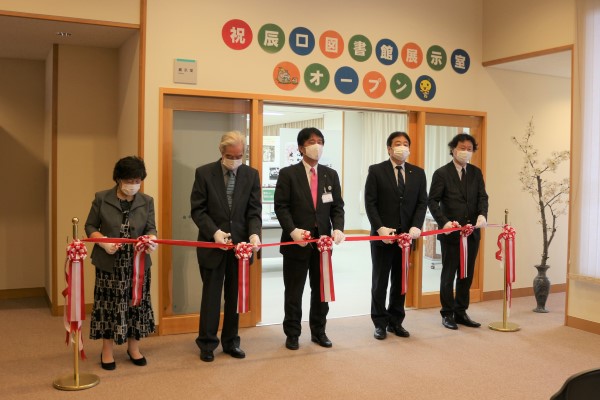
pixel 32 39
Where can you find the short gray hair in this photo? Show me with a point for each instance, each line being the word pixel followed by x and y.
pixel 232 138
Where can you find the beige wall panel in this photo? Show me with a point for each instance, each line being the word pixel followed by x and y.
pixel 23 212
pixel 514 27
pixel 128 97
pixel 87 140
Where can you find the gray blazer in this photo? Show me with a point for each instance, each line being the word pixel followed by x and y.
pixel 106 216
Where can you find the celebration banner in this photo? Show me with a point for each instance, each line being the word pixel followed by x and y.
pixel 404 241
pixel 325 244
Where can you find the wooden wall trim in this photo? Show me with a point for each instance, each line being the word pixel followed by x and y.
pixel 522 292
pixel 23 293
pixel 584 325
pixel 525 56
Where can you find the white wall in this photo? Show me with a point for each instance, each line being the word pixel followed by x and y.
pixel 512 99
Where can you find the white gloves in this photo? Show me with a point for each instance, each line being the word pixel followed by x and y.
pixel 254 241
pixel 384 231
pixel 297 236
pixel 451 224
pixel 481 222
pixel 222 238
pixel 414 233
pixel 338 236
pixel 110 248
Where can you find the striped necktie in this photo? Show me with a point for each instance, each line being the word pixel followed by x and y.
pixel 230 187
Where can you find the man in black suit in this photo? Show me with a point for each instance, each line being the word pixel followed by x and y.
pixel 396 202
pixel 226 207
pixel 457 197
pixel 308 197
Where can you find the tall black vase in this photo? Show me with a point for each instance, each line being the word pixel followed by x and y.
pixel 541 288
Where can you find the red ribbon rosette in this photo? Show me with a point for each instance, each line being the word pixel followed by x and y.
pixel 404 241
pixel 325 244
pixel 139 269
pixel 508 235
pixel 74 311
pixel 243 252
pixel 465 232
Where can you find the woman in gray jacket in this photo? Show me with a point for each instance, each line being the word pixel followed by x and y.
pixel 121 212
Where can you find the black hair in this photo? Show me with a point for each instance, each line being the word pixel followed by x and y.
pixel 305 134
pixel 461 137
pixel 131 167
pixel 394 135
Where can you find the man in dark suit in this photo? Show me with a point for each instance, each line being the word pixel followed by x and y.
pixel 226 207
pixel 396 202
pixel 457 197
pixel 308 197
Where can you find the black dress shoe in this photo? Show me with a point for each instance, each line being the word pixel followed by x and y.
pixel 398 330
pixel 107 366
pixel 380 333
pixel 448 322
pixel 207 355
pixel 235 352
pixel 292 343
pixel 464 319
pixel 321 339
pixel 140 362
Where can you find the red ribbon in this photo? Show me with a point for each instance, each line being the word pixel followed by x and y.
pixel 139 269
pixel 325 244
pixel 465 231
pixel 508 234
pixel 404 241
pixel 74 310
pixel 243 252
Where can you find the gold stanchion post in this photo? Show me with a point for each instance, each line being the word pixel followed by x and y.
pixel 76 381
pixel 504 325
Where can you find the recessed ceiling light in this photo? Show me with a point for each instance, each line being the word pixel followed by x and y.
pixel 64 34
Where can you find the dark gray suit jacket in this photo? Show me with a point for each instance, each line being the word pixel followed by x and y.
pixel 294 205
pixel 210 210
pixel 384 204
pixel 106 216
pixel 448 200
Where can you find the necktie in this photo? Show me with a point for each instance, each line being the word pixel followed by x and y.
pixel 230 187
pixel 463 177
pixel 313 186
pixel 400 179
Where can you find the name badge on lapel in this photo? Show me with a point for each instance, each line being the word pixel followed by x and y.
pixel 327 196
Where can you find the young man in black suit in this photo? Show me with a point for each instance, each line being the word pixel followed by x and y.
pixel 226 207
pixel 308 197
pixel 457 197
pixel 396 202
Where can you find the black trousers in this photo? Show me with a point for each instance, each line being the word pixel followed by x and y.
pixel 387 264
pixel 225 276
pixel 294 279
pixel 458 304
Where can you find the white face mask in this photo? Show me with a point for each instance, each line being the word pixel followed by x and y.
pixel 314 151
pixel 232 165
pixel 463 156
pixel 401 153
pixel 130 189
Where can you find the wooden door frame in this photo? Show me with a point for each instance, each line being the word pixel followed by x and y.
pixel 477 123
pixel 418 117
pixel 170 323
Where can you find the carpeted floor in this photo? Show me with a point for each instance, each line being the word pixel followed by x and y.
pixel 434 363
